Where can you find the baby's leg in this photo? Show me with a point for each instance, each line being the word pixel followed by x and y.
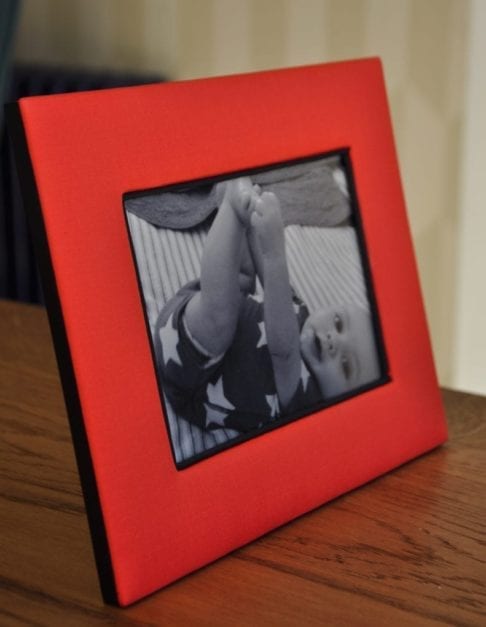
pixel 280 320
pixel 212 314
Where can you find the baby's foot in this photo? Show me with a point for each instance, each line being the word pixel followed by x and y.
pixel 266 219
pixel 238 194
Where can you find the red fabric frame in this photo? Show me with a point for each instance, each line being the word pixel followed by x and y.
pixel 87 150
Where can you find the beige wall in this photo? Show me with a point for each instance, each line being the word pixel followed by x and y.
pixel 423 45
pixel 469 357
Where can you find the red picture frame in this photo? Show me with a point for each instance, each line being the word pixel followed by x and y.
pixel 78 154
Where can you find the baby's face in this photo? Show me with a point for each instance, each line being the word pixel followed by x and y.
pixel 338 348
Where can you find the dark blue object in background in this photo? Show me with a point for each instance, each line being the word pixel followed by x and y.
pixel 18 269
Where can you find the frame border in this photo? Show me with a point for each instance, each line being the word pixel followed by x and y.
pixel 30 198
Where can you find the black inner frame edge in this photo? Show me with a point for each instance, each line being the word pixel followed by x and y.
pixel 355 220
pixel 84 461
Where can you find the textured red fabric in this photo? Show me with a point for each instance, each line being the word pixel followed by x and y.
pixel 87 150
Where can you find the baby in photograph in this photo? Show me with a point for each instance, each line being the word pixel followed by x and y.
pixel 233 356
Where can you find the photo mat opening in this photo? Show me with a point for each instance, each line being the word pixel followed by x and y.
pixel 300 338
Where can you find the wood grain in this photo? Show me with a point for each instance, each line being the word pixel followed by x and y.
pixel 406 549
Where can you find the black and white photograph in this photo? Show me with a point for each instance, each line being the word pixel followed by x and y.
pixel 257 301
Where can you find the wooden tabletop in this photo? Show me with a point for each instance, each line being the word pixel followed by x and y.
pixel 406 549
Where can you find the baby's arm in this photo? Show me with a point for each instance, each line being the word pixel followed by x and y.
pixel 280 319
pixel 211 315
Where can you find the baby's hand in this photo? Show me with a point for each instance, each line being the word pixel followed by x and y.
pixel 266 219
pixel 238 194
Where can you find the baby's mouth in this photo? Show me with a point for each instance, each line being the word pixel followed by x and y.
pixel 313 346
pixel 324 347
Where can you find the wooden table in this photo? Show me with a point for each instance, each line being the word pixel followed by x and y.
pixel 408 548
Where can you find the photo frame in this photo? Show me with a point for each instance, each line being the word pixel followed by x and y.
pixel 80 158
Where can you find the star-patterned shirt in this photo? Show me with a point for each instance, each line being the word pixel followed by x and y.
pixel 236 390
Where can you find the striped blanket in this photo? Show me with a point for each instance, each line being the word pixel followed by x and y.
pixel 324 266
